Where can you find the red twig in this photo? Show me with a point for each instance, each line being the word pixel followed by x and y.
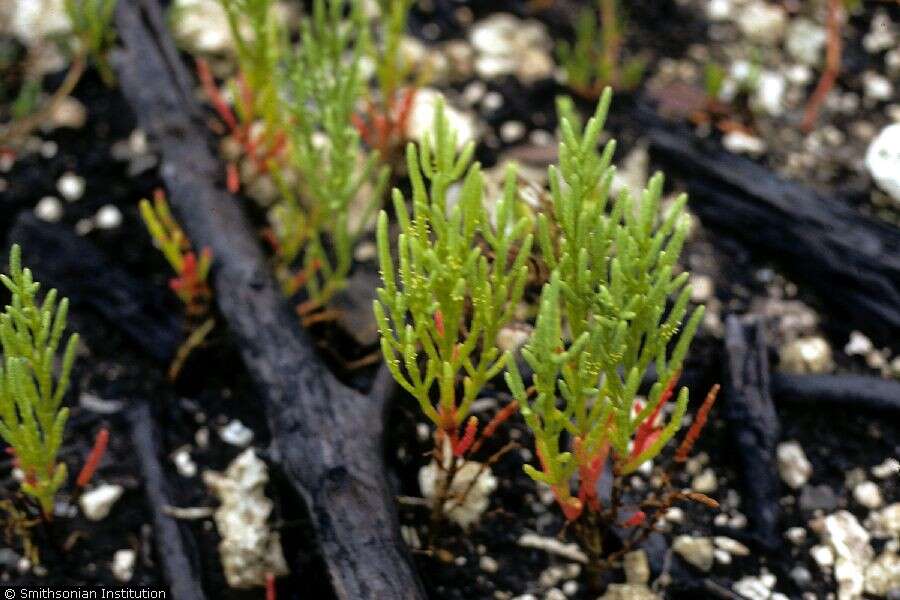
pixel 648 431
pixel 832 66
pixel 697 426
pixel 214 94
pixel 93 459
pixel 462 446
pixel 502 415
pixel 271 592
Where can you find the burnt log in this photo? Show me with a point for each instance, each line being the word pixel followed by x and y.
pixel 858 391
pixel 326 437
pixel 750 413
pixel 850 261
pixel 175 548
pixel 62 259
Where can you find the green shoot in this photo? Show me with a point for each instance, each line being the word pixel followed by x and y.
pixel 32 418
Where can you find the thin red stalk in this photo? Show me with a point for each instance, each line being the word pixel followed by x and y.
pixel 271 592
pixel 832 66
pixel 214 94
pixel 697 426
pixel 504 414
pixel 93 459
pixel 463 445
pixel 647 428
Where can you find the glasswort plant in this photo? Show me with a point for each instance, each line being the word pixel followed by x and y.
pixel 602 322
pixel 456 285
pixel 32 418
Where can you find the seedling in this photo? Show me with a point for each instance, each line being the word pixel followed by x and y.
pixel 32 418
pixel 457 283
pixel 602 322
pixel 191 274
pixel 325 84
pixel 594 61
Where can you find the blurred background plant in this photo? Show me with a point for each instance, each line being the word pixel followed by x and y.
pixel 86 37
pixel 594 61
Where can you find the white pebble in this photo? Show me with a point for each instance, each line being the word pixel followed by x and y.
pixel 236 434
pixel 868 494
pixel 184 463
pixel 71 186
pixel 108 217
pixel 49 209
pixel 123 564
pixel 96 503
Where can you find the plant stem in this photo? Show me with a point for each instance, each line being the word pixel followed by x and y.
pixel 26 125
pixel 832 66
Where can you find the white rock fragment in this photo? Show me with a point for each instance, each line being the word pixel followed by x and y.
pixel 769 95
pixel 236 434
pixel 705 482
pixel 731 546
pixel 793 466
pixel 823 555
pixel 553 546
pixel 96 503
pixel 882 35
pixel 628 591
pixel 636 567
pixel 859 344
pixel 249 549
pixel 868 494
pixel 803 355
pixel 108 217
pixel 850 543
pixel 889 468
pixel 805 41
pixel 886 522
pixel 71 186
pixel 507 45
pixel 32 21
pixel 877 87
pixel 883 163
pixel 513 337
pixel 49 209
pixel 762 22
pixel 739 142
pixel 697 551
pixel 123 564
pixel 795 535
pixel 883 574
pixel 202 26
pixel 755 588
pixel 488 564
pixel 473 477
pixel 184 464
pixel 719 10
pixel 421 118
pixel 69 112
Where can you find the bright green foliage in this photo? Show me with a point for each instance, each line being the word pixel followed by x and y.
pixel 614 268
pixel 93 30
pixel 335 172
pixel 32 419
pixel 440 310
pixel 593 61
pixel 259 41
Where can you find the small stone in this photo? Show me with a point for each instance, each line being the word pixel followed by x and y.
pixel 883 163
pixel 807 355
pixel 49 209
pixel 877 87
pixel 823 555
pixel 513 337
pixel 637 568
pixel 702 287
pixel 801 576
pixel 762 22
pixel 793 466
pixel 236 434
pixel 753 588
pixel 123 564
pixel 738 521
pixel 733 547
pixel 719 10
pixel 570 588
pixel 421 118
pixel 473 479
pixel 108 217
pixel 889 468
pixel 795 535
pixel 697 551
pixel 881 36
pixel 739 142
pixel 628 591
pixel 554 594
pixel 722 557
pixel 868 494
pixel 675 515
pixel 705 482
pixel 96 503
pixel 553 546
pixel 819 497
pixel 69 112
pixel 488 564
pixel 512 131
pixel 805 41
pixel 769 95
pixel 883 574
pixel 71 186
pixel 184 463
